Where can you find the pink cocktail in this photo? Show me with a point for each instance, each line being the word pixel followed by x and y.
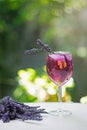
pixel 59 67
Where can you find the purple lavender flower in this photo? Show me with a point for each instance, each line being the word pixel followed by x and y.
pixel 31 51
pixel 42 47
pixel 10 110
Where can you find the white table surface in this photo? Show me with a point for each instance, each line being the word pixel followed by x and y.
pixel 77 121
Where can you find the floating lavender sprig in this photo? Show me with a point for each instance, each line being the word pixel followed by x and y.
pixel 43 47
pixel 11 110
pixel 31 51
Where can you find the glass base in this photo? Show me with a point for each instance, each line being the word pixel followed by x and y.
pixel 60 113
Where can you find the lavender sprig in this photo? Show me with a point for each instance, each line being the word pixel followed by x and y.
pixel 31 51
pixel 43 47
pixel 11 110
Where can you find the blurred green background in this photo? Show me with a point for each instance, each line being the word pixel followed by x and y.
pixel 62 24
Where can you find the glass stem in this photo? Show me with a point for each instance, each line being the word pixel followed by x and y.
pixel 59 98
pixel 60 94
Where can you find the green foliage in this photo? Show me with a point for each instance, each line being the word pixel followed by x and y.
pixel 83 99
pixel 23 21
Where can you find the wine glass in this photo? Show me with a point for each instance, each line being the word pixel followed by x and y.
pixel 59 68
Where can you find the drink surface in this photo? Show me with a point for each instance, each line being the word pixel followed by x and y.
pixel 59 67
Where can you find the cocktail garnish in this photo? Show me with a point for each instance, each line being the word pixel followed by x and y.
pixel 42 47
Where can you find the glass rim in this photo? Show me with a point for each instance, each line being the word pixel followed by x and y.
pixel 60 52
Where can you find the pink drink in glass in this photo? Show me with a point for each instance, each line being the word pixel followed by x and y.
pixel 59 67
